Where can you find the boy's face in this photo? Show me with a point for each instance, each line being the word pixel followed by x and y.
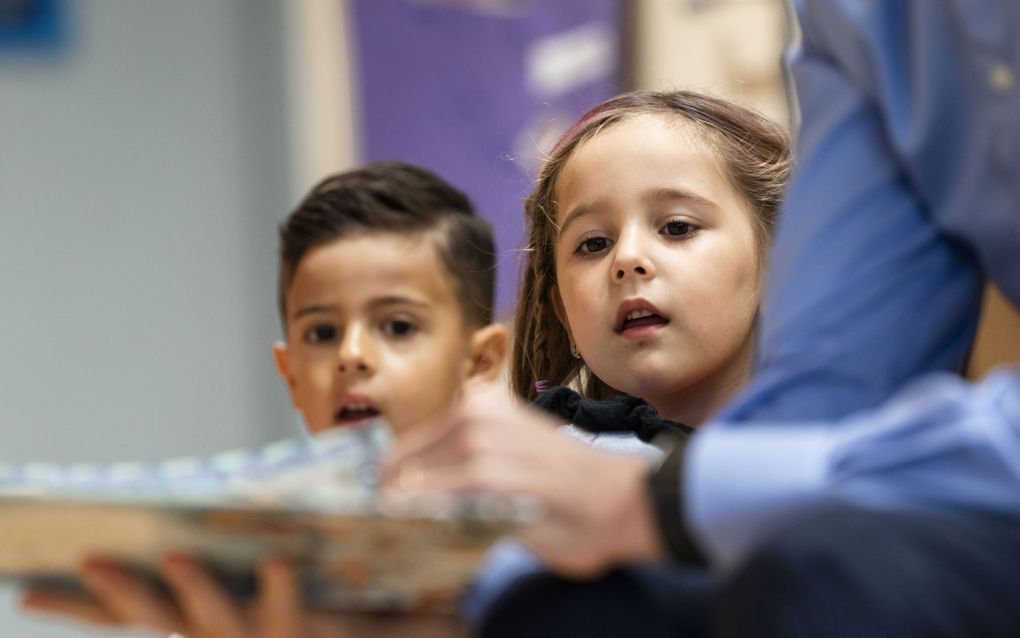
pixel 374 328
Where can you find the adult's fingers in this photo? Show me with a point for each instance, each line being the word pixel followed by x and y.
pixel 485 420
pixel 208 610
pixel 499 472
pixel 438 442
pixel 128 599
pixel 608 521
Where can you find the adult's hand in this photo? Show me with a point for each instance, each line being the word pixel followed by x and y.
pixel 595 511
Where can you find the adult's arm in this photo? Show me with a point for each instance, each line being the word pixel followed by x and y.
pixel 872 285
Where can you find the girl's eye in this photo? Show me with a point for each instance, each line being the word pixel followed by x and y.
pixel 677 228
pixel 320 333
pixel 593 245
pixel 398 328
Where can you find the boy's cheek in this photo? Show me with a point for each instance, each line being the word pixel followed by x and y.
pixel 403 420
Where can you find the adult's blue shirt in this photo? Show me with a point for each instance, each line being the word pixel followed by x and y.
pixel 906 197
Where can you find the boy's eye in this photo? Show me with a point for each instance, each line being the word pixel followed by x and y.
pixel 320 333
pixel 398 328
pixel 677 228
pixel 593 245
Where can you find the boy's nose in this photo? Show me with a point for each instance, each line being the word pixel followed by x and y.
pixel 348 366
pixel 355 352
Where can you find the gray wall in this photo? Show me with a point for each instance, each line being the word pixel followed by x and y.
pixel 142 174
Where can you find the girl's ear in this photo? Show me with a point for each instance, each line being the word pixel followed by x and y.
pixel 281 356
pixel 487 354
pixel 557 305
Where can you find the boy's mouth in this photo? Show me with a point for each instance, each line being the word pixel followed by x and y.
pixel 355 410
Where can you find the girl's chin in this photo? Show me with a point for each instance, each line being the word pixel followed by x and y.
pixel 647 386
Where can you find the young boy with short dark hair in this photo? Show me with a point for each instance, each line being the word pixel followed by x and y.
pixel 385 293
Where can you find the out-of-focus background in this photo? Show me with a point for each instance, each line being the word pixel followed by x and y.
pixel 149 148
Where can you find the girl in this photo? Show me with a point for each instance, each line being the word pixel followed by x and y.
pixel 647 234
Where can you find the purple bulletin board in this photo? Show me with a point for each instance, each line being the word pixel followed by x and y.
pixel 476 90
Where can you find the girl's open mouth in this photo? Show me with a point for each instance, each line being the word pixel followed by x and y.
pixel 638 318
pixel 641 319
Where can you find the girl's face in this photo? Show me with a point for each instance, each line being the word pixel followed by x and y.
pixel 657 266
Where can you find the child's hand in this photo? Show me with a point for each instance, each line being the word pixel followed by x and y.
pixel 596 511
pixel 200 608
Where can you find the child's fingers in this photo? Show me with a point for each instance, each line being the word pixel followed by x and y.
pixel 331 625
pixel 128 599
pixel 77 606
pixel 402 625
pixel 207 609
pixel 280 611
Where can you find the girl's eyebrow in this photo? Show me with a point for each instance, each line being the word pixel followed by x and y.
pixel 656 195
pixel 578 212
pixel 678 195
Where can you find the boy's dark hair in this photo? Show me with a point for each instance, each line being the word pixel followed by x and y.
pixel 394 197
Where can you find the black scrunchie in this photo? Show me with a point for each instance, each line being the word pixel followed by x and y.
pixel 622 413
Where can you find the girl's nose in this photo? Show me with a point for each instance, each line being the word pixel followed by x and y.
pixel 638 270
pixel 631 258
pixel 355 352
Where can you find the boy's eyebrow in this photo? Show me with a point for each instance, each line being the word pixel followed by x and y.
pixel 391 300
pixel 313 309
pixel 388 300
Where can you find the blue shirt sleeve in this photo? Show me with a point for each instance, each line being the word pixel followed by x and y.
pixel 942 445
pixel 874 283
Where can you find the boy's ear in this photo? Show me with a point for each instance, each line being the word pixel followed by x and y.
pixel 281 357
pixel 487 353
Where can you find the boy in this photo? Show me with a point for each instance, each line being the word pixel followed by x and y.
pixel 385 293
